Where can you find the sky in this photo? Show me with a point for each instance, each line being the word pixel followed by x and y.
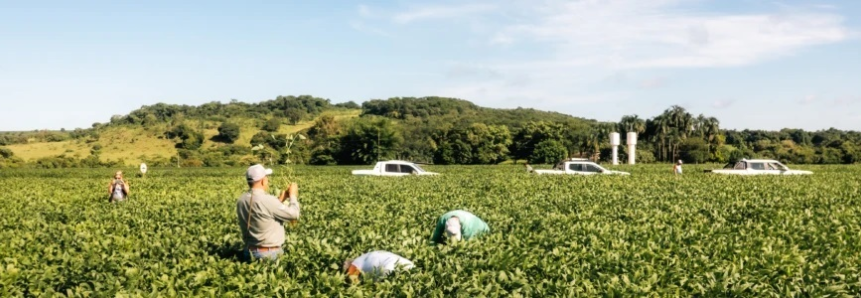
pixel 752 64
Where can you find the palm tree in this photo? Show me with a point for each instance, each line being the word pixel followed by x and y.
pixel 658 129
pixel 632 123
pixel 700 126
pixel 681 125
pixel 712 129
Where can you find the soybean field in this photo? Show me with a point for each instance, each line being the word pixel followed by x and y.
pixel 647 234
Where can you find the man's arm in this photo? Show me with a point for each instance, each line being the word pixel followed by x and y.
pixel 283 212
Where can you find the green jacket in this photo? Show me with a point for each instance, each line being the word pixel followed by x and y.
pixel 471 226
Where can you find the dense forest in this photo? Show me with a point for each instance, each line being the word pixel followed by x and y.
pixel 436 130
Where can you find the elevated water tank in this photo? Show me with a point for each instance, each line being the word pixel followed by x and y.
pixel 632 138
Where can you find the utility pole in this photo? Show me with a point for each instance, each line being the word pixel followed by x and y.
pixel 377 147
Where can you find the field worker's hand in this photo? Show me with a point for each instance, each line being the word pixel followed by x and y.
pixel 293 191
pixel 292 196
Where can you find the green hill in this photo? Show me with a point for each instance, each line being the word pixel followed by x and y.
pixel 143 135
pixel 135 144
pixel 428 129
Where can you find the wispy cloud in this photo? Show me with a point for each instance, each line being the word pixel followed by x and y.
pixel 569 51
pixel 722 103
pixel 808 99
pixel 659 34
pixel 464 70
pixel 368 29
pixel 441 12
pixel 365 11
pixel 847 100
pixel 653 83
pixel 543 91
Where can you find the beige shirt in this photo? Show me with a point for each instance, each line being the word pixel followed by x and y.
pixel 268 215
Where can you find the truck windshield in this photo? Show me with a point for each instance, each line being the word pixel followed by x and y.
pixel 776 166
pixel 418 168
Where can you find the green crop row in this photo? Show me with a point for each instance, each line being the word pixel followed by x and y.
pixel 648 234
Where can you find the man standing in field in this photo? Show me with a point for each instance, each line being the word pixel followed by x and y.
pixel 677 168
pixel 262 216
pixel 458 225
pixel 375 264
pixel 118 189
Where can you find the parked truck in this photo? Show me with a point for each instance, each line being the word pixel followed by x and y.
pixel 394 168
pixel 578 166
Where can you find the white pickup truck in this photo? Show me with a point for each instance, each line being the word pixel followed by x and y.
pixel 394 168
pixel 578 166
pixel 757 167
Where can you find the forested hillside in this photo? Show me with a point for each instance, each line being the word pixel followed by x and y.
pixel 311 130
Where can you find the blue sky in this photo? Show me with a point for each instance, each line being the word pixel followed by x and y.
pixel 750 63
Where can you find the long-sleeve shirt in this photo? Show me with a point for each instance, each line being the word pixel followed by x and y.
pixel 268 215
pixel 471 225
pixel 378 263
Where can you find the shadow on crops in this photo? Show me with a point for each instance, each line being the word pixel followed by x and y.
pixel 227 251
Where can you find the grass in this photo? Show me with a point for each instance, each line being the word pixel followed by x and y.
pixel 132 143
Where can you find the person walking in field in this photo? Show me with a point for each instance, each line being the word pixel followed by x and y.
pixel 262 216
pixel 118 189
pixel 677 168
pixel 458 225
pixel 375 264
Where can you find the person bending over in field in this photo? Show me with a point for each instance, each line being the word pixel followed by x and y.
pixel 118 189
pixel 262 216
pixel 375 264
pixel 458 225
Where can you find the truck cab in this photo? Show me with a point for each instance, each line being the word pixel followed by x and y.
pixel 394 168
pixel 578 166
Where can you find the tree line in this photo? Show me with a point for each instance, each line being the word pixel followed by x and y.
pixel 452 131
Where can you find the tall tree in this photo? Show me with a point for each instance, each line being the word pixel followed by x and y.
pixel 369 140
pixel 632 123
pixel 228 132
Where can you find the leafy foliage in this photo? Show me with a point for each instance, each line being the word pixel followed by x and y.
pixel 649 234
pixel 368 140
pixel 474 144
pixel 8 159
pixel 548 152
pixel 228 132
pixel 189 138
pixel 446 131
pixel 272 125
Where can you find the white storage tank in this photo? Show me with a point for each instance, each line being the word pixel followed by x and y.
pixel 614 139
pixel 632 138
pixel 632 147
pixel 614 142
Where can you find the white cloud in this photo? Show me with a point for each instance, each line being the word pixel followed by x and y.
pixel 501 39
pixel 537 91
pixel 462 70
pixel 365 11
pixel 660 33
pixel 441 12
pixel 808 99
pixel 558 54
pixel 847 100
pixel 653 83
pixel 365 28
pixel 723 103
